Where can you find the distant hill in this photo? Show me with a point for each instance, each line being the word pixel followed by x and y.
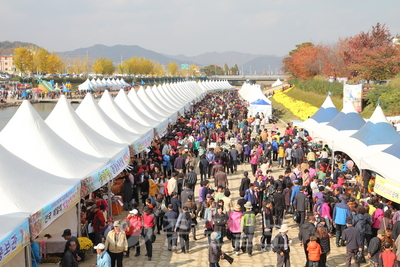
pixel 259 63
pixel 7 47
pixel 116 52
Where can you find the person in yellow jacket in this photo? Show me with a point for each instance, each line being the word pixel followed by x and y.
pixel 116 244
pixel 153 190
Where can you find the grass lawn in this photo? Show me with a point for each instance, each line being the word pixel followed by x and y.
pixel 282 112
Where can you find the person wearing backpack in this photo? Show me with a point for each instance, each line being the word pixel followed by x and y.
pixel 281 246
pixel 182 227
pixel 248 222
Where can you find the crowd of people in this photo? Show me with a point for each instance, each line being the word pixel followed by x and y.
pixel 324 193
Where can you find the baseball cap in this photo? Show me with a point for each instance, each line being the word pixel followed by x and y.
pixel 99 246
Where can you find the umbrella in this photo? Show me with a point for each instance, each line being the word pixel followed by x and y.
pixel 37 90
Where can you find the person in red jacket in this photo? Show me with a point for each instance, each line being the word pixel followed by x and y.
pixel 314 251
pixel 98 223
pixel 135 225
pixel 148 231
pixel 387 258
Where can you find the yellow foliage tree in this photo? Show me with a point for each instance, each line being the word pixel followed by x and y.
pixel 23 60
pixel 40 59
pixel 54 64
pixel 79 65
pixel 173 68
pixel 103 66
pixel 158 69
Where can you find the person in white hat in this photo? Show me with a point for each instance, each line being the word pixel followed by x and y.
pixel 281 246
pixel 103 258
pixel 116 244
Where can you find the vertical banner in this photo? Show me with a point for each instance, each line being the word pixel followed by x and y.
pixel 14 242
pixel 353 93
pixel 43 218
pixel 100 178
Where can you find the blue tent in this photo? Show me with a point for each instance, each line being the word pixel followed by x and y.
pixel 260 102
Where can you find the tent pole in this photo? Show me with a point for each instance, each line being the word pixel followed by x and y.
pixel 79 232
pixel 109 199
pixel 28 255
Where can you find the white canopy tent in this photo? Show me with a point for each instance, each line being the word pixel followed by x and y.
pixel 277 83
pixel 376 135
pixel 90 112
pixel 68 125
pixel 138 102
pixel 87 86
pixel 152 104
pixel 135 124
pixel 323 116
pixel 346 123
pixel 27 136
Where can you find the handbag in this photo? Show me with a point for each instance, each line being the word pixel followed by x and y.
pixel 228 258
pixel 360 257
pixel 153 238
pixel 229 234
pixel 290 210
pixel 296 216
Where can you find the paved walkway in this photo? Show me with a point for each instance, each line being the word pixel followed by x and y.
pixel 198 255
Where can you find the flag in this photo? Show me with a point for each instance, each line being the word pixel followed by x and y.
pixel 148 82
pixel 154 81
pixel 142 82
pixel 329 93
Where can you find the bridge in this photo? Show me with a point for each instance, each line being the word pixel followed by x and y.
pixel 252 78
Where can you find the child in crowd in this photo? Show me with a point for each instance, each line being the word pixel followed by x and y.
pixel 314 252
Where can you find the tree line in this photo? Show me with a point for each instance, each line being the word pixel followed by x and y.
pixel 367 56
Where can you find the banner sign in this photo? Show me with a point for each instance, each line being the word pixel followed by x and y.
pixel 353 93
pixel 14 242
pixel 162 128
pixel 387 189
pixel 142 144
pixel 95 181
pixel 43 218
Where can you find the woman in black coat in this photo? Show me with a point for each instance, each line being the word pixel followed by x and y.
pixel 323 240
pixel 245 183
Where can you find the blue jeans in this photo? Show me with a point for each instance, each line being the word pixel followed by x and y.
pixel 280 162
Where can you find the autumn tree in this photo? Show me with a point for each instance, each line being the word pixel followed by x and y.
pixel 158 69
pixel 103 66
pixel 305 61
pixel 54 64
pixel 173 68
pixel 212 70
pixel 371 55
pixel 80 64
pixel 23 60
pixel 234 70
pixel 40 59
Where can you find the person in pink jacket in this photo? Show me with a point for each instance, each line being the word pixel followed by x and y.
pixel 376 218
pixel 326 213
pixel 254 160
pixel 234 227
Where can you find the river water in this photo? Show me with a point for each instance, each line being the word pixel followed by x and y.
pixel 44 109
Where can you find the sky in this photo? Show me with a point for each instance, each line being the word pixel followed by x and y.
pixel 191 27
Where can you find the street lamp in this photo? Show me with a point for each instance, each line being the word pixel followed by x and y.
pixel 242 69
pixel 250 71
pixel 269 70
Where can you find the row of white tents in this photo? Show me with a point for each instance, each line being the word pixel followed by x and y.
pixel 372 144
pixel 111 84
pixel 116 84
pixel 258 102
pixel 48 165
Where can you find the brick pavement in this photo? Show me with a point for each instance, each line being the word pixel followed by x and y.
pixel 198 256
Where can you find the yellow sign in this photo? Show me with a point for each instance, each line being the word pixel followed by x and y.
pixel 387 189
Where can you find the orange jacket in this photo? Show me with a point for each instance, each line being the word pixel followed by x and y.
pixel 314 251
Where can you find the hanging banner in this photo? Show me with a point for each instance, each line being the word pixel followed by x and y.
pixel 95 181
pixel 387 189
pixel 161 129
pixel 14 242
pixel 43 218
pixel 353 93
pixel 142 144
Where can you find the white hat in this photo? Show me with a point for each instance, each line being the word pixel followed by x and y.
pixel 284 228
pixel 100 246
pixel 134 211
